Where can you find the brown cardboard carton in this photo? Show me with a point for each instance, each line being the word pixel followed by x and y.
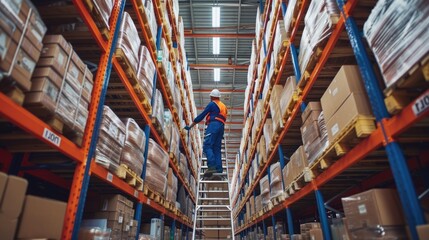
pixel 347 81
pixel 355 105
pixel 115 202
pixel 312 108
pixel 20 71
pixel 53 55
pixel 309 131
pixel 275 173
pixel 3 181
pixel 42 218
pixel 13 197
pixel 423 231
pixel 60 40
pixel 372 208
pixel 7 227
pixel 316 234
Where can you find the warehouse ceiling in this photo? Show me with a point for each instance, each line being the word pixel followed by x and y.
pixel 237 22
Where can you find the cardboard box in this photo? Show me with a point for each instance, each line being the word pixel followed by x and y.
pixel 3 181
pixel 316 234
pixel 13 196
pixel 42 218
pixel 372 208
pixel 355 105
pixel 347 81
pixel 287 94
pixel 423 231
pixel 55 56
pixel 7 227
pixel 314 109
pixel 275 173
pixel 309 131
pixel 113 203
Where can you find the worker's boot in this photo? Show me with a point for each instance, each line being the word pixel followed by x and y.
pixel 209 172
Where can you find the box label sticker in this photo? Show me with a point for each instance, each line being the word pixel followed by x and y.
pixel 335 129
pixel 3 47
pixel 362 209
pixel 51 137
pixel 28 64
pixel 421 104
pixel 60 59
pixel 109 177
pixel 121 219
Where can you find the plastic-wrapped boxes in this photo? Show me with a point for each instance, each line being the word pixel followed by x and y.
pixel 62 86
pixel 298 161
pixel 21 41
pixel 110 140
pixel 145 71
pixel 287 94
pixel 264 185
pixel 276 114
pixel 171 192
pixel 374 214
pixel 319 22
pixel 132 153
pixel 397 33
pixel 276 184
pixel 129 42
pixel 156 167
pixel 103 8
pixel 313 131
pixel 158 108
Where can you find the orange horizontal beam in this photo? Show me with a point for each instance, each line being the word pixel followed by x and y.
pixel 220 35
pixel 221 66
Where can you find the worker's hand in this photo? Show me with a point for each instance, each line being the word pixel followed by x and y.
pixel 187 128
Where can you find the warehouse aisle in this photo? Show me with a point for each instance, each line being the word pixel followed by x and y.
pixel 213 212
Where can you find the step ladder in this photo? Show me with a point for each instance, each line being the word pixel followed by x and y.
pixel 213 212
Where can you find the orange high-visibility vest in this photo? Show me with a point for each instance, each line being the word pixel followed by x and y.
pixel 221 116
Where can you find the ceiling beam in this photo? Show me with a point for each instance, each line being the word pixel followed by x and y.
pixel 209 66
pixel 189 34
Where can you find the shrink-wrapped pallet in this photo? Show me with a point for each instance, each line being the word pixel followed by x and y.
pixel 287 94
pixel 397 32
pixel 156 167
pixel 158 108
pixel 174 142
pixel 276 183
pixel 264 186
pixel 103 9
pixel 150 13
pixel 276 115
pixel 129 41
pixel 135 140
pixel 110 140
pixel 145 71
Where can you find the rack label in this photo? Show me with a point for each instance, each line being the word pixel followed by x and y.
pixel 51 137
pixel 136 193
pixel 109 177
pixel 148 201
pixel 421 104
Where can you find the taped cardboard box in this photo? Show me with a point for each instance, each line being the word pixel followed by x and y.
pixel 348 80
pixel 13 197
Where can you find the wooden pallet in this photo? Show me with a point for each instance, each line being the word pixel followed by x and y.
pixel 14 93
pixel 129 176
pixel 314 59
pixel 144 100
pixel 280 56
pixel 153 195
pixel 126 66
pixel 408 87
pixel 278 199
pixel 97 18
pixel 276 136
pixel 360 127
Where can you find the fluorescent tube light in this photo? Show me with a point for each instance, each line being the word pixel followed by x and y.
pixel 215 16
pixel 216 45
pixel 216 74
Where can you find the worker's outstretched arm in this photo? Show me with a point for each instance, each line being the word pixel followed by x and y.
pixel 202 115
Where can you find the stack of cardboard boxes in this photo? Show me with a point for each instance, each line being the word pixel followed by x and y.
pixel 25 216
pixel 156 168
pixel 145 71
pixel 311 231
pixel 264 185
pixel 344 101
pixel 104 10
pixel 150 14
pixel 111 140
pixel 287 94
pixel 276 113
pixel 158 108
pixel 171 190
pixel 298 161
pixel 132 152
pixel 129 42
pixel 276 183
pixel 21 31
pixel 62 86
pixel 115 212
pixel 313 131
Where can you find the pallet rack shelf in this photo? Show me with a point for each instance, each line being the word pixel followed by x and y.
pixel 388 128
pixel 82 156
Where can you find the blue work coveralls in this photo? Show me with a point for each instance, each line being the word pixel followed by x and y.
pixel 212 137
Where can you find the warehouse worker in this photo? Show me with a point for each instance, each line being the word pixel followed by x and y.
pixel 215 114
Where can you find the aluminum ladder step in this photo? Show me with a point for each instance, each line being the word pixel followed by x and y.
pixel 218 199
pixel 213 228
pixel 214 191
pixel 212 219
pixel 205 167
pixel 213 181
pixel 216 174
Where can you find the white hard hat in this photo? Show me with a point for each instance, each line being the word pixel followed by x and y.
pixel 215 93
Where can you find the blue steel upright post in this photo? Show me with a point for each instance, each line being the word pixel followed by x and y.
pixel 289 221
pixel 398 165
pixel 94 137
pixel 322 215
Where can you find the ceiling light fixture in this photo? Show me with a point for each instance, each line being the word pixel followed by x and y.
pixel 216 45
pixel 216 74
pixel 215 16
